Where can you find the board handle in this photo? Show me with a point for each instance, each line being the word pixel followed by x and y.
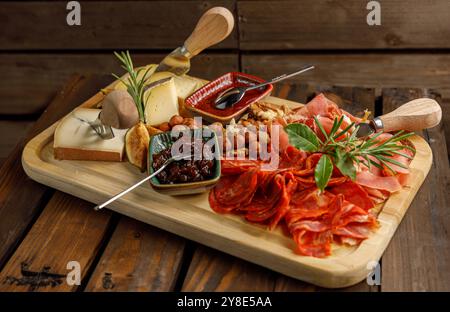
pixel 213 27
pixel 415 115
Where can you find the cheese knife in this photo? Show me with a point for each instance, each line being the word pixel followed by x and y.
pixel 213 27
pixel 415 115
pixel 103 131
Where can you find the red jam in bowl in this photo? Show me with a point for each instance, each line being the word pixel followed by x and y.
pixel 202 100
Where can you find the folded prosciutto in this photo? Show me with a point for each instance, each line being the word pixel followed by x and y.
pixel 288 195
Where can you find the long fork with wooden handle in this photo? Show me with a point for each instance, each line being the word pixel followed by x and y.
pixel 213 27
pixel 415 115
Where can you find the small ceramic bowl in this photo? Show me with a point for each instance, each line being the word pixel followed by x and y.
pixel 201 101
pixel 162 141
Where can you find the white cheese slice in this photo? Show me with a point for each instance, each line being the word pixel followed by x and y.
pixel 161 102
pixel 75 139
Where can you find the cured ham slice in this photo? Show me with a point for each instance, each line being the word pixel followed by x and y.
pixel 354 193
pixel 341 221
pixel 238 166
pixel 321 106
pixel 390 183
pixel 341 214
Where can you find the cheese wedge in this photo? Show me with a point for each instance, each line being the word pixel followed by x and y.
pixel 151 69
pixel 185 85
pixel 161 102
pixel 76 140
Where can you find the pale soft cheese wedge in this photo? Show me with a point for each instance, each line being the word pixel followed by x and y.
pixel 76 140
pixel 161 102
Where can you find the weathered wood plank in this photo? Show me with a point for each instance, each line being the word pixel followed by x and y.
pixel 16 212
pixel 445 104
pixel 413 70
pixel 384 70
pixel 212 270
pixel 324 24
pixel 67 230
pixel 40 75
pixel 138 257
pixel 12 131
pixel 439 201
pixel 104 24
pixel 415 258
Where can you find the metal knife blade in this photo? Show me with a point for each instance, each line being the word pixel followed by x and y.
pixel 367 128
pixel 364 130
pixel 177 62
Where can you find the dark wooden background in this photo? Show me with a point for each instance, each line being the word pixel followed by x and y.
pixel 39 51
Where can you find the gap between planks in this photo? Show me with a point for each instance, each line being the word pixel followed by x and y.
pixel 417 257
pixel 17 213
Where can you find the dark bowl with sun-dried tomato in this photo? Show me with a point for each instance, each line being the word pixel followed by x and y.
pixel 196 174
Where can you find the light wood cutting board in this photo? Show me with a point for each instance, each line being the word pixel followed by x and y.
pixel 191 216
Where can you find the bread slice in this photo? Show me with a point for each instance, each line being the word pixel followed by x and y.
pixel 76 140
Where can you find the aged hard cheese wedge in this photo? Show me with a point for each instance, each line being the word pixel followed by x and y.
pixel 151 69
pixel 76 140
pixel 185 85
pixel 161 102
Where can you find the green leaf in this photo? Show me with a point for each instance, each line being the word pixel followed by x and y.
pixel 346 165
pixel 323 171
pixel 302 137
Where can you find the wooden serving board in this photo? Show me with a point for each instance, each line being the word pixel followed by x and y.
pixel 191 216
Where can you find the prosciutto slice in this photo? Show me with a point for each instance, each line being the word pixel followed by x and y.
pixel 341 214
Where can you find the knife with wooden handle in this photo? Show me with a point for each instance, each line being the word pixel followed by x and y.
pixel 213 27
pixel 415 115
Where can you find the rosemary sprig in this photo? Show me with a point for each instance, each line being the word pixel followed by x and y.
pixel 353 147
pixel 346 150
pixel 135 84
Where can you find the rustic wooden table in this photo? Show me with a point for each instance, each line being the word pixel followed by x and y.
pixel 42 229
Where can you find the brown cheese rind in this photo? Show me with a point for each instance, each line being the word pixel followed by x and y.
pixel 64 153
